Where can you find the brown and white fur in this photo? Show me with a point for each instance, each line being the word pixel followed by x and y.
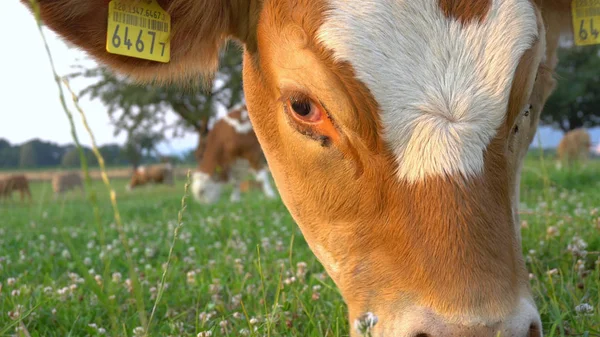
pixel 574 147
pixel 395 131
pixel 232 148
pixel 64 182
pixel 153 174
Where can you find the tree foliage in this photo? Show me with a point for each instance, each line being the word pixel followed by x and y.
pixel 28 156
pixel 576 101
pixel 71 157
pixel 144 112
pixel 38 153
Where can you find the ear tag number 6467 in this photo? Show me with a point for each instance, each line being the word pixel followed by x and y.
pixel 586 21
pixel 138 29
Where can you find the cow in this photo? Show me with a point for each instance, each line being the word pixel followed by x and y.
pixel 232 148
pixel 153 174
pixel 575 146
pixel 64 182
pixel 395 132
pixel 17 182
pixel 3 193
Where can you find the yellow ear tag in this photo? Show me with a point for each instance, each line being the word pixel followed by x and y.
pixel 586 22
pixel 138 29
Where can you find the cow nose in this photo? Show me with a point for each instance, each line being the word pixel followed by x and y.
pixel 520 325
pixel 522 321
pixel 532 330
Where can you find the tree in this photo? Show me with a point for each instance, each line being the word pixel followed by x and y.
pixel 112 154
pixel 9 155
pixel 576 101
pixel 146 109
pixel 140 145
pixel 71 157
pixel 28 156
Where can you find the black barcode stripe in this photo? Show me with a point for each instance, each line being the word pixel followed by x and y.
pixel 127 19
pixel 135 20
pixel 159 25
pixel 587 12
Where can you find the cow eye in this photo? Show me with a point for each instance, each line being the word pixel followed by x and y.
pixel 304 109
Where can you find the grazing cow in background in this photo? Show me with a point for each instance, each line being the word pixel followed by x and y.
pixel 395 131
pixel 63 182
pixel 3 193
pixel 232 148
pixel 153 174
pixel 574 146
pixel 16 183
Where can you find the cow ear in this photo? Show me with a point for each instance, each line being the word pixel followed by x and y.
pixel 199 29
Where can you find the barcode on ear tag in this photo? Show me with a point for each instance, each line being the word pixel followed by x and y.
pixel 139 29
pixel 586 22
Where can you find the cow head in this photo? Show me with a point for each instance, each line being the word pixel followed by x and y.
pixel 206 189
pixel 137 178
pixel 394 130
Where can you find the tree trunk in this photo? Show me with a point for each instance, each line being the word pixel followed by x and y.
pixel 575 123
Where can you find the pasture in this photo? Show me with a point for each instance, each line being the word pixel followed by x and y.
pixel 244 269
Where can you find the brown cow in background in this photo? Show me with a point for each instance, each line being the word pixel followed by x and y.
pixel 64 182
pixel 574 146
pixel 230 154
pixel 15 183
pixel 2 191
pixel 156 174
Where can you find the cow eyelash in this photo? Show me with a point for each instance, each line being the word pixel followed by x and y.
pixel 306 115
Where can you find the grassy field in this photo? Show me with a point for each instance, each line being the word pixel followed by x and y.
pixel 244 269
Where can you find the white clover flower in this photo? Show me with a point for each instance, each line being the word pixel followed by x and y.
pixel 577 246
pixel 116 277
pixel 584 309
pixel 191 277
pixel 365 323
pixel 138 331
pixel 552 231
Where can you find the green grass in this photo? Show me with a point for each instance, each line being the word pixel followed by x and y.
pixel 239 268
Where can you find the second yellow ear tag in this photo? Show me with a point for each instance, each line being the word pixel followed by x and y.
pixel 586 22
pixel 139 29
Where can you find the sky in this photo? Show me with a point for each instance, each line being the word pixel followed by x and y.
pixel 29 101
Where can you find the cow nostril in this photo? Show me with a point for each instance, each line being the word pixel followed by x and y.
pixel 420 334
pixel 534 330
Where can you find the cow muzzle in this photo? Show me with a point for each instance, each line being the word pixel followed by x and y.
pixel 524 321
pixel 204 189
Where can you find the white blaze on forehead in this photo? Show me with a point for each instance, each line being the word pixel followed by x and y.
pixel 443 87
